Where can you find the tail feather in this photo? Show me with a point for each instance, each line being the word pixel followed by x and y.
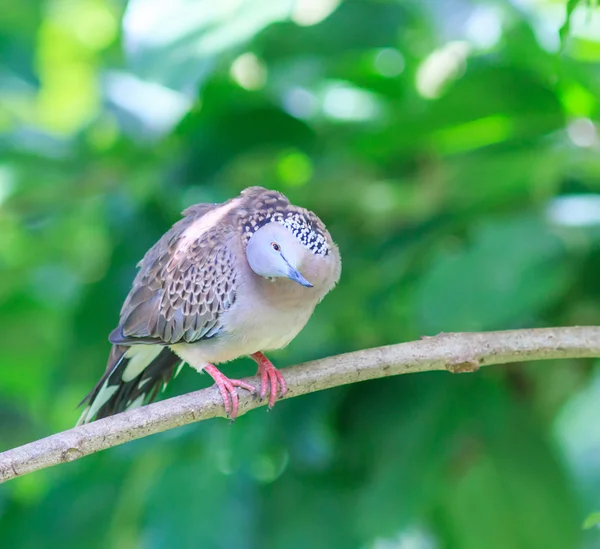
pixel 134 377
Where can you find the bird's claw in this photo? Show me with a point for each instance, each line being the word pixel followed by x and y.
pixel 270 378
pixel 228 389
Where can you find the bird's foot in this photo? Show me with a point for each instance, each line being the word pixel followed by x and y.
pixel 227 387
pixel 270 377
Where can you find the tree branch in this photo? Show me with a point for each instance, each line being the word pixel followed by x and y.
pixel 460 352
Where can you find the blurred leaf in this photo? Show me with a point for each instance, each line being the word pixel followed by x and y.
pixel 179 43
pixel 506 489
pixel 405 470
pixel 593 519
pixel 510 272
pixel 566 26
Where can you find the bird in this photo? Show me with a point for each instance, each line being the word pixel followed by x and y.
pixel 227 280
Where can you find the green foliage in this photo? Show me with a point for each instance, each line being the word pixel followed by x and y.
pixel 593 519
pixel 452 150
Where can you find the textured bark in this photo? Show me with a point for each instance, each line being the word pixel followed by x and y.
pixel 460 352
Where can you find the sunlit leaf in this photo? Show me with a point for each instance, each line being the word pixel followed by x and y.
pixel 179 43
pixel 593 519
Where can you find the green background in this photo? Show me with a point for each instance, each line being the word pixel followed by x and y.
pixel 451 149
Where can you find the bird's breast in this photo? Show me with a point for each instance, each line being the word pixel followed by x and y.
pixel 271 317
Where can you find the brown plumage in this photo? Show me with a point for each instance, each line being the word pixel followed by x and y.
pixel 226 280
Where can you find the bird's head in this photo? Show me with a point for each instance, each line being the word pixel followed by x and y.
pixel 274 251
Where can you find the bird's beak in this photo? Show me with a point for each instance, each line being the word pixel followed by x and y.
pixel 294 274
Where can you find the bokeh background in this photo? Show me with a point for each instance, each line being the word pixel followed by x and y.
pixel 452 149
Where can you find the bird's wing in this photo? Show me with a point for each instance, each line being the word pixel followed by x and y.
pixel 186 281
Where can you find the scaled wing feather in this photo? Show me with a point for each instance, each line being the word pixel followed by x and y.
pixel 182 287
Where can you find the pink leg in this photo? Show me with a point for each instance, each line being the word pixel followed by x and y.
pixel 269 377
pixel 227 387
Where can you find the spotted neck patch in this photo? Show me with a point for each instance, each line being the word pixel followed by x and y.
pixel 300 224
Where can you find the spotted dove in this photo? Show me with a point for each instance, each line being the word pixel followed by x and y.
pixel 227 280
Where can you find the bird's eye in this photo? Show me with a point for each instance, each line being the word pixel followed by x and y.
pixel 276 246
